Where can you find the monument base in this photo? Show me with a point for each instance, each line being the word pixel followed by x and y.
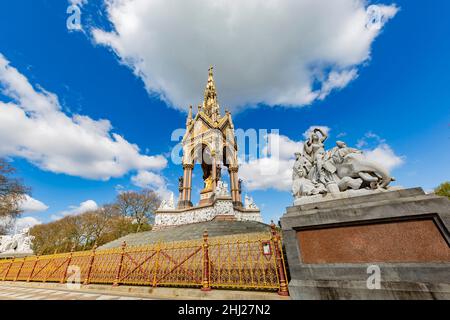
pixel 357 290
pixel 388 245
pixel 341 195
pixel 217 208
pixel 185 204
pixel 206 198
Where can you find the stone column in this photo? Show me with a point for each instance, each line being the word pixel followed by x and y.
pixel 214 171
pixel 181 189
pixel 189 169
pixel 239 195
pixel 234 183
pixel 185 196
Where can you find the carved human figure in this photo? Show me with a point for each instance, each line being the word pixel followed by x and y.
pixel 249 203
pixel 167 204
pixel 222 189
pixel 207 172
pixel 18 243
pixel 208 184
pixel 315 144
pixel 302 186
pixel 218 173
pixel 240 185
pixel 180 184
pixel 337 170
pixel 339 152
pixel 301 165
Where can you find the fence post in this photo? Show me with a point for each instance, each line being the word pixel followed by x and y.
pixel 20 269
pixel 91 262
pixel 283 291
pixel 69 260
pixel 206 286
pixel 117 280
pixel 9 268
pixel 34 267
pixel 155 268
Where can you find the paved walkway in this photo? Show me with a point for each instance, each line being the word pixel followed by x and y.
pixel 11 292
pixel 56 291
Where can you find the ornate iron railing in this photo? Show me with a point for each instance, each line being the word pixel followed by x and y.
pixel 253 261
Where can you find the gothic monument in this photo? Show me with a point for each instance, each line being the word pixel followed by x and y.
pixel 210 142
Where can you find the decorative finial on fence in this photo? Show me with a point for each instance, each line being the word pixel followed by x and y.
pixel 206 286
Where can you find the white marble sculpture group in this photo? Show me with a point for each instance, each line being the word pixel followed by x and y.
pixel 19 243
pixel 168 204
pixel 319 172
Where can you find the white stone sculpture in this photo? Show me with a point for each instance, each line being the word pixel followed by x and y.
pixel 341 169
pixel 168 204
pixel 222 189
pixel 19 243
pixel 249 203
pixel 301 185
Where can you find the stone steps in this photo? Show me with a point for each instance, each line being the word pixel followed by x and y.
pixel 215 228
pixel 225 218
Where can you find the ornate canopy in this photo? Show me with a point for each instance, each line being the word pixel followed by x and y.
pixel 209 141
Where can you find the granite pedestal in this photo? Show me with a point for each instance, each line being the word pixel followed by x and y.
pixel 334 246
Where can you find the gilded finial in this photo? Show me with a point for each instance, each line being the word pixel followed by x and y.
pixel 211 107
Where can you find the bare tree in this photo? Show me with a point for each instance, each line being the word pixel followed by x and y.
pixel 140 206
pixel 6 225
pixel 12 192
pixel 81 232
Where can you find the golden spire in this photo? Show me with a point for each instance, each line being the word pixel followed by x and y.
pixel 210 105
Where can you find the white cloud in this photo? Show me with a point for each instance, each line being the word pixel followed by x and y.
pixel 376 149
pixel 78 3
pixel 369 138
pixel 282 146
pixel 88 205
pixel 32 126
pixel 285 52
pixel 153 181
pixel 385 156
pixel 267 173
pixel 337 80
pixel 145 178
pixel 85 206
pixel 26 223
pixel 14 226
pixel 274 169
pixel 31 205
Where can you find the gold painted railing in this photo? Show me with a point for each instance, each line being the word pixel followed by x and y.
pixel 254 261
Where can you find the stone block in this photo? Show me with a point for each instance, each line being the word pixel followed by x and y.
pixel 331 244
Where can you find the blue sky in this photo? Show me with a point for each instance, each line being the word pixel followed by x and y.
pixel 399 100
